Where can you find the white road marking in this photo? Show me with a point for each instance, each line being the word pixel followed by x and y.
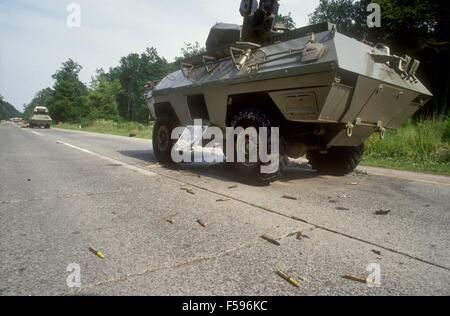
pixel 111 160
pixel 36 133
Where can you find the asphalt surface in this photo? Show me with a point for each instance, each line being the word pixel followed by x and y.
pixel 62 192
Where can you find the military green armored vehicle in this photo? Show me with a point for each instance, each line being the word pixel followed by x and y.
pixel 327 92
pixel 40 118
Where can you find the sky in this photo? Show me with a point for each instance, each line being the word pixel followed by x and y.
pixel 35 38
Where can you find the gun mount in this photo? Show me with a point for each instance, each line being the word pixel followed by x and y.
pixel 259 21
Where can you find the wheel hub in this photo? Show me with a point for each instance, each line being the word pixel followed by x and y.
pixel 163 138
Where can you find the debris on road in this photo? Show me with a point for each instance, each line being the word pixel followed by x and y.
pixel 190 191
pixel 355 278
pixel 383 212
pixel 353 183
pixel 171 219
pixel 361 280
pixel 342 208
pixel 222 200
pixel 295 218
pixel 202 223
pixel 270 239
pixel 99 254
pixel 233 187
pixel 288 278
pixel 301 236
pixel 377 252
pixel 360 173
pixel 288 197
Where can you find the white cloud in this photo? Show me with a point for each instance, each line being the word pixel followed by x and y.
pixel 35 40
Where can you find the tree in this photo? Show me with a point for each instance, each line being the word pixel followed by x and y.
pixel 68 95
pixel 7 110
pixel 189 50
pixel 349 16
pixel 286 20
pixel 133 73
pixel 192 49
pixel 101 100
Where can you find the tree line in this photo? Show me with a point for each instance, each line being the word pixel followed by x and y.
pixel 116 94
pixel 7 110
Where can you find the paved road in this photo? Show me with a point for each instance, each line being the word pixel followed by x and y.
pixel 62 192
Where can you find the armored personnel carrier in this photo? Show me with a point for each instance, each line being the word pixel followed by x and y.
pixel 40 118
pixel 325 91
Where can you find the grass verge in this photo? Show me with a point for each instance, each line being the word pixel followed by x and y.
pixel 128 129
pixel 422 146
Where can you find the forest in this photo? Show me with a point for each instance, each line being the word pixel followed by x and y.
pixel 7 110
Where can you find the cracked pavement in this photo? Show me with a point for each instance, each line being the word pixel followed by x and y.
pixel 62 192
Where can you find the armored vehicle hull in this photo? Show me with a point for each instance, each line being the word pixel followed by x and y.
pixel 40 118
pixel 327 92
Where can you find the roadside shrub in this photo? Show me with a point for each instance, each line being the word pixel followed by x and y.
pixel 446 132
pixel 422 142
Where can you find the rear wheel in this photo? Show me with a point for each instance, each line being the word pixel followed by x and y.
pixel 337 161
pixel 255 118
pixel 162 138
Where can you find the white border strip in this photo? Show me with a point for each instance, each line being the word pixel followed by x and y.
pixel 111 160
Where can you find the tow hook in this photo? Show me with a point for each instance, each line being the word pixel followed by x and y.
pixel 350 128
pixel 381 130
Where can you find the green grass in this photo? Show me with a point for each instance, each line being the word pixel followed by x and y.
pixel 128 129
pixel 421 146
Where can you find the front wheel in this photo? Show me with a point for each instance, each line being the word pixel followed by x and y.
pixel 338 161
pixel 162 139
pixel 254 118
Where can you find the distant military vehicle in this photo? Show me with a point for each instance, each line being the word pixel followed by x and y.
pixel 326 92
pixel 40 118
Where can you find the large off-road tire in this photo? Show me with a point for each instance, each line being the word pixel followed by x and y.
pixel 256 118
pixel 162 141
pixel 338 161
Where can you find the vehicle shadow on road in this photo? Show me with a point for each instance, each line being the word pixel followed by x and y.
pixel 224 171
